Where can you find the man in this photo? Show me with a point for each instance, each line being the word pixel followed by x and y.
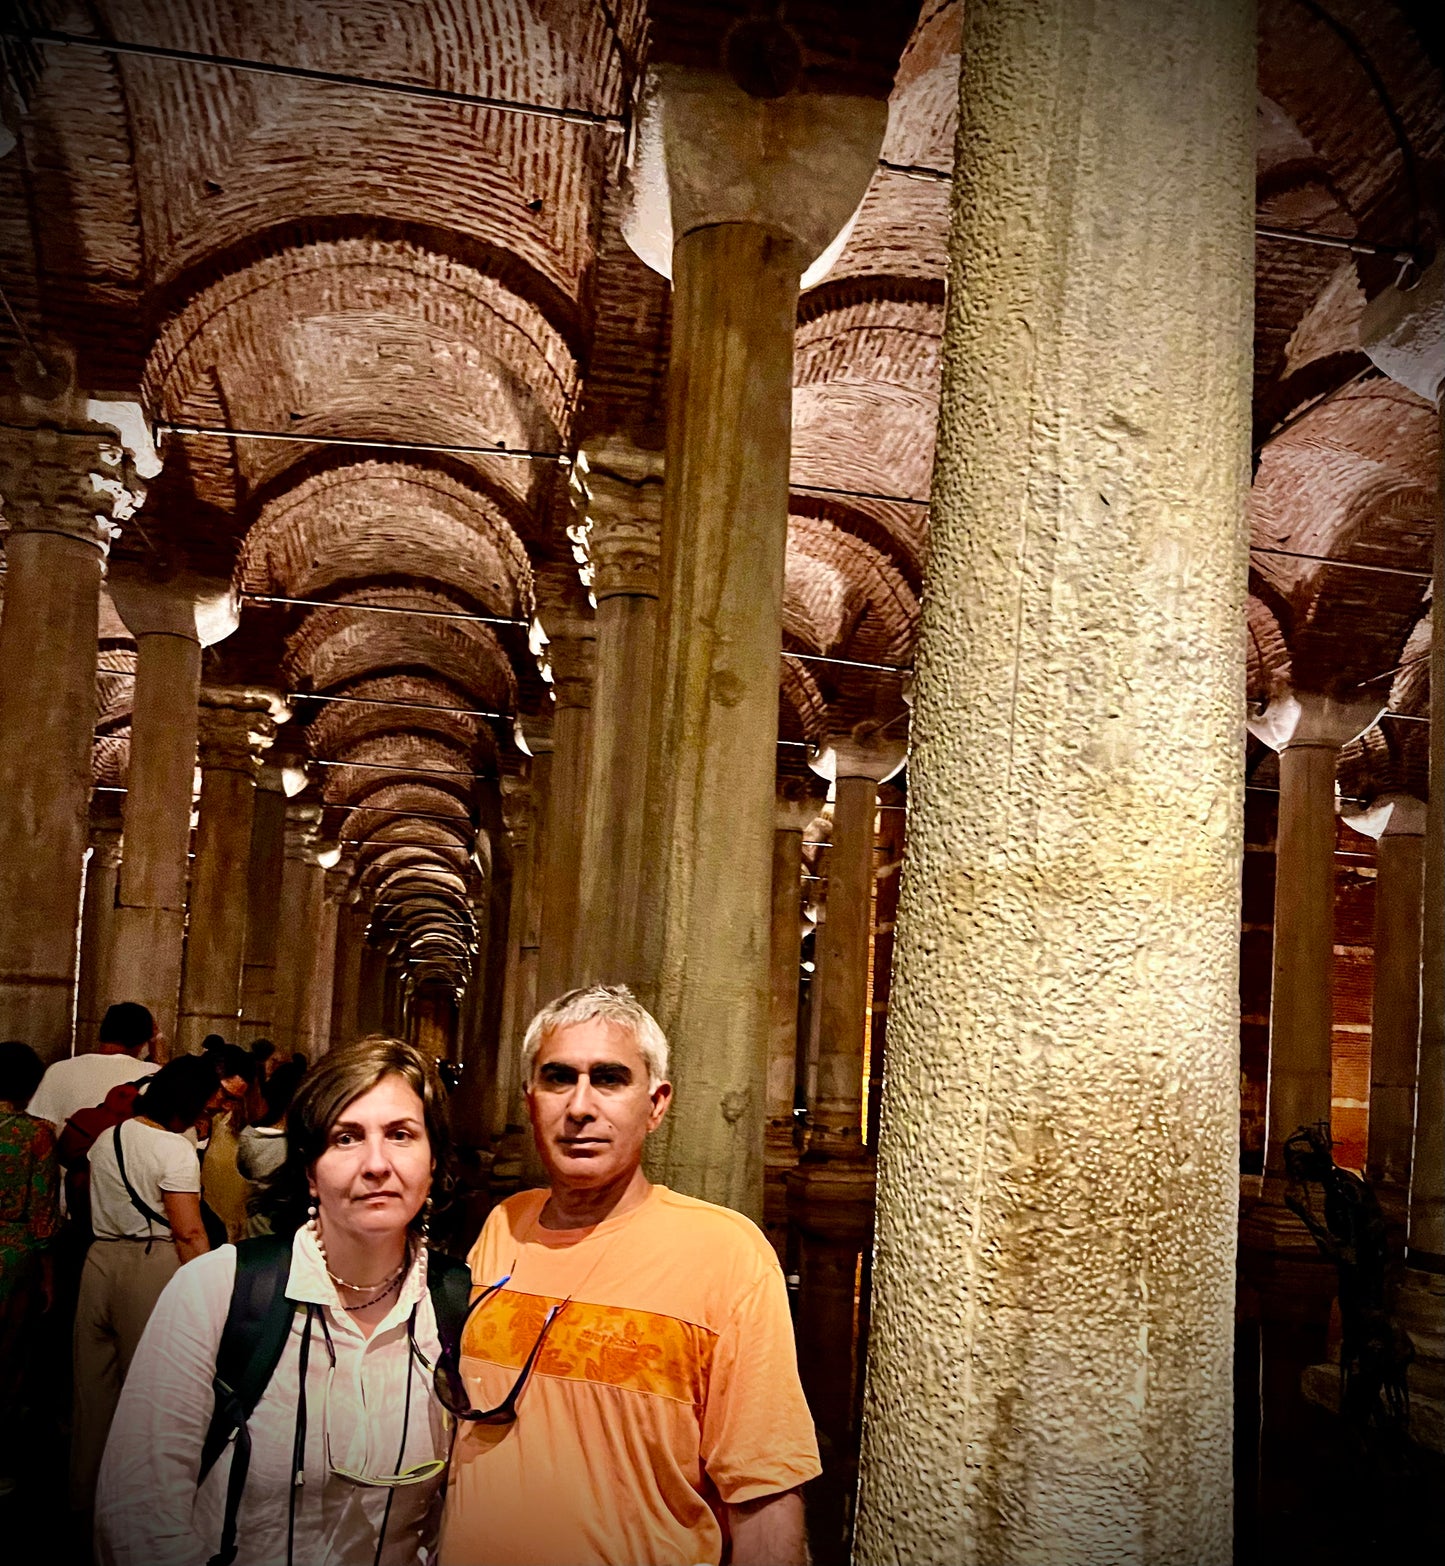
pixel 222 1187
pixel 127 1034
pixel 630 1349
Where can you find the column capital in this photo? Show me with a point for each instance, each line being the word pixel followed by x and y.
pixel 1403 331
pixel 303 823
pixel 105 843
pixel 1314 719
pixel 201 609
pixel 517 805
pixel 857 754
pixel 708 153
pixel 623 528
pixel 1388 815
pixel 571 652
pixel 78 483
pixel 797 804
pixel 236 727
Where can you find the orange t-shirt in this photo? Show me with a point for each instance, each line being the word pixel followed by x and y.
pixel 666 1387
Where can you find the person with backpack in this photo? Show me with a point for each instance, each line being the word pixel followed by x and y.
pixel 145 1211
pixel 281 1405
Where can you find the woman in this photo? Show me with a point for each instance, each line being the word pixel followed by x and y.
pixel 145 1211
pixel 29 1217
pixel 348 1408
pixel 261 1150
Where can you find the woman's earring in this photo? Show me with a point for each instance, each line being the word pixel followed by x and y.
pixel 426 1219
pixel 311 1220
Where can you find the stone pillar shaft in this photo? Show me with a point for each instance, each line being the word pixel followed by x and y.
pixel 54 559
pixel 1049 1371
pixel 625 515
pixel 1395 1028
pixel 347 983
pixel 300 915
pixel 1300 1019
pixel 97 931
pixel 842 969
pixel 235 729
pixel 268 858
pixel 725 514
pixel 566 817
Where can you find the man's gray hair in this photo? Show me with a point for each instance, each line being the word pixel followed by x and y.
pixel 613 1003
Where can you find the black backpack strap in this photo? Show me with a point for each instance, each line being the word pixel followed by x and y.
pixel 449 1283
pixel 257 1322
pixel 143 1208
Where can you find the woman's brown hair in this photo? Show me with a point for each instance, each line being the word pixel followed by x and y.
pixel 339 1078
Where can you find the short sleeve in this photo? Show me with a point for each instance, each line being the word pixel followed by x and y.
pixel 757 1434
pixel 178 1168
pixel 45 1101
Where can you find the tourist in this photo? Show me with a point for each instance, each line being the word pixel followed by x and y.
pixel 29 1217
pixel 127 1034
pixel 627 1375
pixel 223 1188
pixel 344 1398
pixel 145 1209
pixel 261 1150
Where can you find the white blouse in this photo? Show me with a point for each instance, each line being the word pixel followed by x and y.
pixel 149 1511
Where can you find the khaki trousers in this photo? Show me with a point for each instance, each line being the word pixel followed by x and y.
pixel 119 1288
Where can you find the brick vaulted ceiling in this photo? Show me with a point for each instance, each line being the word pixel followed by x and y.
pixel 259 252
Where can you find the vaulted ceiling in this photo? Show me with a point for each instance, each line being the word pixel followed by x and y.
pixel 328 263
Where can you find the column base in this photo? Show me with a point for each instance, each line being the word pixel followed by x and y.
pixel 1321 1385
pixel 1281 1269
pixel 1420 1310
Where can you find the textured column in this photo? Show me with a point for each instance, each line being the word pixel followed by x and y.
pixel 371 991
pixel 97 929
pixel 236 728
pixel 734 196
pixel 58 495
pixel 1397 823
pixel 503 1088
pixel 796 807
pixel 171 620
pixel 571 652
pixel 1049 1372
pixel 350 963
pixel 268 859
pixel 624 516
pixel 841 979
pixel 300 916
pixel 313 1034
pixel 1308 730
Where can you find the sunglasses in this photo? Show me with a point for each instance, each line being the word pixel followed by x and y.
pixel 451 1390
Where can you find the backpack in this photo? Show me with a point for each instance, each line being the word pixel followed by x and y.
pixel 258 1322
pixel 79 1134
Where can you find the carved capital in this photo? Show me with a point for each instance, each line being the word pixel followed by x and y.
pixel 105 845
pixel 236 728
pixel 303 823
pixel 74 484
pixel 623 528
pixel 517 806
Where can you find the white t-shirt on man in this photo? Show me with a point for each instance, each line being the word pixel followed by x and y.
pixel 81 1083
pixel 156 1161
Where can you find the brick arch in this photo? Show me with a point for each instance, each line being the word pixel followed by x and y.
pixel 369 338
pixel 333 647
pixel 852 599
pixel 236 168
pixel 376 519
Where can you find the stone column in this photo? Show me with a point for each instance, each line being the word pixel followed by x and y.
pixel 300 915
pixel 97 930
pixel 268 859
pixel 571 653
pixel 313 1034
pixel 1397 823
pixel 371 991
pixel 1049 1371
pixel 796 807
pixel 58 495
pixel 1308 730
pixel 1400 330
pixel 624 512
pixel 503 1089
pixel 733 197
pixel 236 728
pixel 171 620
pixel 350 964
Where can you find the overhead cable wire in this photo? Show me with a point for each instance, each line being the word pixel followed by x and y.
pixel 613 123
pixel 401 609
pixel 1400 254
pixel 297 437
